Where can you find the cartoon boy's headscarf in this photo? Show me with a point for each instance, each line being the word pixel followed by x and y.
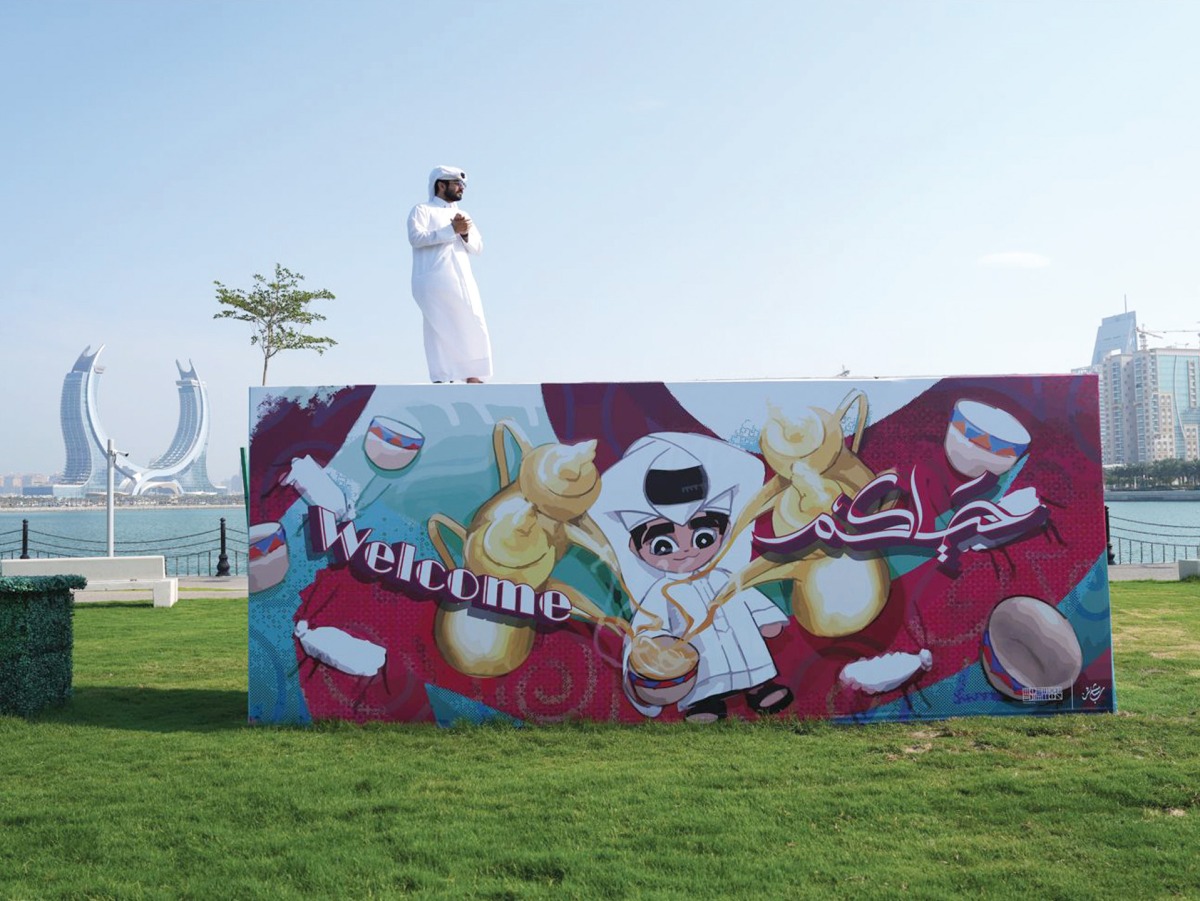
pixel 445 173
pixel 675 476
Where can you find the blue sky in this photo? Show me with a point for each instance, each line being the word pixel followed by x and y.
pixel 671 191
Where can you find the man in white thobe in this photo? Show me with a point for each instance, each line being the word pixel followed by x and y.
pixel 443 237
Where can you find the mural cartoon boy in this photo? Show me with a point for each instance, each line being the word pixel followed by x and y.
pixel 666 508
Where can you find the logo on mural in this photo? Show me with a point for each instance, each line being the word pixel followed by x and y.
pixel 1093 693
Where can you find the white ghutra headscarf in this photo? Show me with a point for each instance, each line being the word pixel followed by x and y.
pixel 445 173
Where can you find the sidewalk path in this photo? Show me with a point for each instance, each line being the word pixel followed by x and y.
pixel 1155 572
pixel 217 585
pixel 190 587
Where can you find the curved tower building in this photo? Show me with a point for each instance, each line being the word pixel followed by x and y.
pixel 185 458
pixel 85 466
pixel 180 470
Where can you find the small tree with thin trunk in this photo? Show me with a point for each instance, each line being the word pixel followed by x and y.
pixel 278 310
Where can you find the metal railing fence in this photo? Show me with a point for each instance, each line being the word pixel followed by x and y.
pixel 223 551
pixel 1134 542
pixel 216 552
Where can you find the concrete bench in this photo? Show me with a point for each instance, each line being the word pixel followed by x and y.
pixel 105 573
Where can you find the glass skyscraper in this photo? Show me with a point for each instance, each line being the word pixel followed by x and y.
pixel 1149 396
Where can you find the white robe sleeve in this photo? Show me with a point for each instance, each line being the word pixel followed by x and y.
pixel 474 243
pixel 764 611
pixel 421 232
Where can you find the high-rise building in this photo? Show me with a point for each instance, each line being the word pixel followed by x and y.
pixel 193 422
pixel 180 470
pixel 1116 334
pixel 1149 396
pixel 84 439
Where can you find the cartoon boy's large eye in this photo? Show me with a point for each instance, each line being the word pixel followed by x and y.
pixel 705 537
pixel 662 546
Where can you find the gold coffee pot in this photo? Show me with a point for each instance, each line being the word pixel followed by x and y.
pixel 832 593
pixel 519 534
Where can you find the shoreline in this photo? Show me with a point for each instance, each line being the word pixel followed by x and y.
pixel 1181 494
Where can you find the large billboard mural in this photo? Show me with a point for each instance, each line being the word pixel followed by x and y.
pixel 859 551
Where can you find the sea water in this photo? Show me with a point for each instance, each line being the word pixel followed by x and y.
pixel 173 532
pixel 1154 531
pixel 162 530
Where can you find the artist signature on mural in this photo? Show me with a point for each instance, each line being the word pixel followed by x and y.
pixel 1093 693
pixel 975 525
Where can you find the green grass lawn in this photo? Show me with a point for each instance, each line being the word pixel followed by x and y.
pixel 149 784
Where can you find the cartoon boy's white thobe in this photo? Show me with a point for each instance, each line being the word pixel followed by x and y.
pixel 457 345
pixel 733 655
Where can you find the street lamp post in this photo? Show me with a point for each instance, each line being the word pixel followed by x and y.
pixel 112 464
